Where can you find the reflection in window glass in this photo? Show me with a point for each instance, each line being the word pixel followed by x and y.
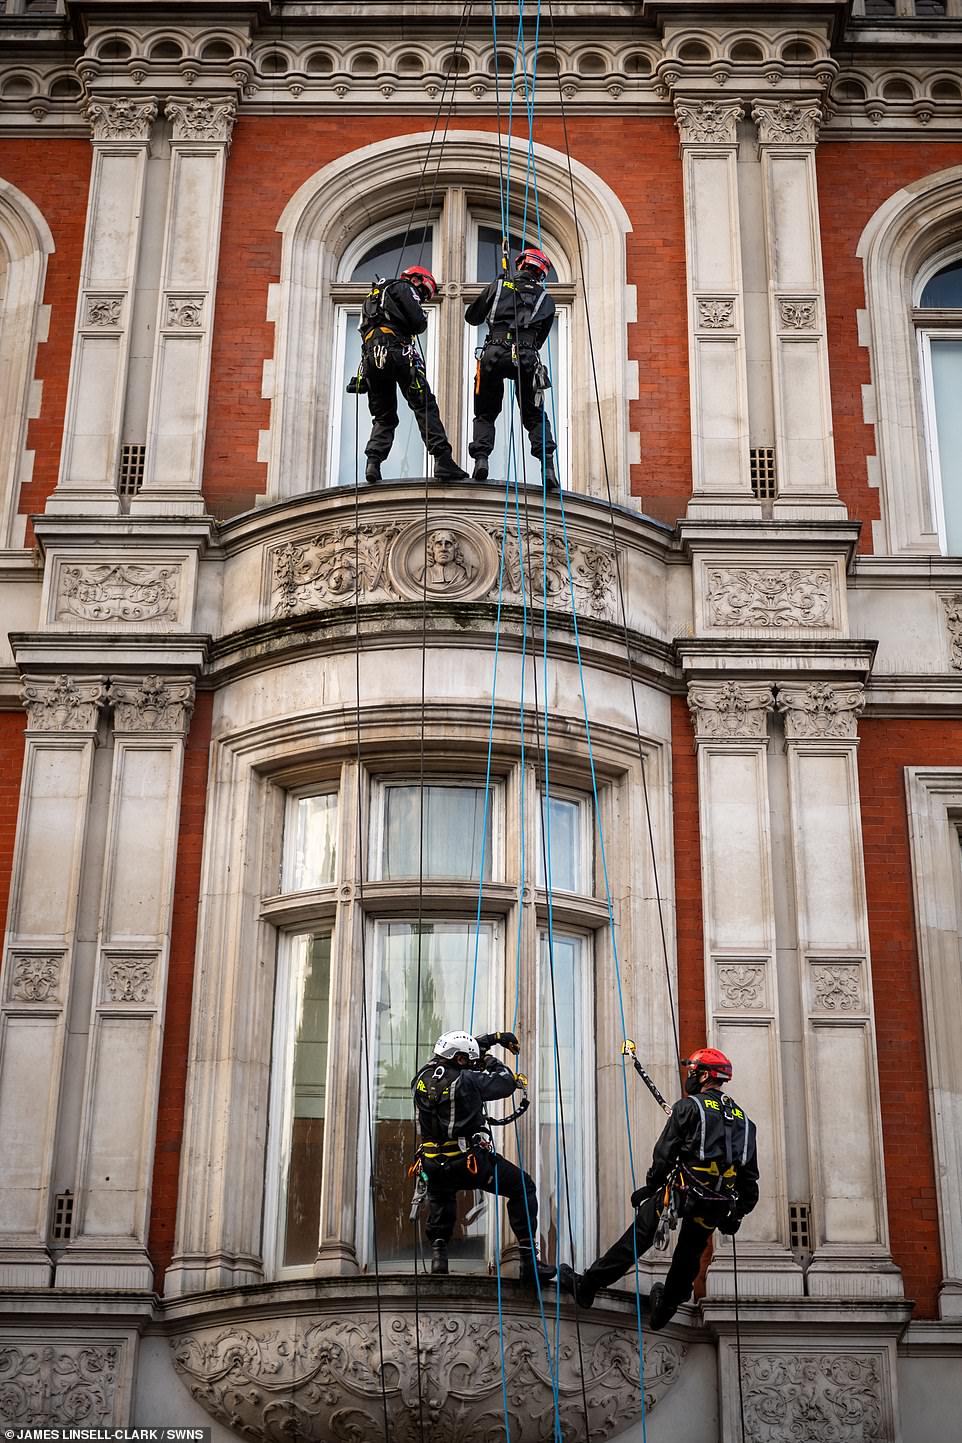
pixel 944 290
pixel 947 389
pixel 453 822
pixel 300 1211
pixel 416 1002
pixel 387 259
pixel 310 842
pixel 566 1003
pixel 564 832
pixel 488 253
pixel 352 416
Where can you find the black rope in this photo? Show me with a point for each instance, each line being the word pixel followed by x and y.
pixel 738 1341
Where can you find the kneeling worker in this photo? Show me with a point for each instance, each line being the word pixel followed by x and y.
pixel 704 1168
pixel 457 1149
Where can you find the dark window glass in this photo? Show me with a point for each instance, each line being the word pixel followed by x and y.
pixel 945 287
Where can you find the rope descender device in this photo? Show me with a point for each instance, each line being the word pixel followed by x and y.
pixel 522 1107
pixel 628 1050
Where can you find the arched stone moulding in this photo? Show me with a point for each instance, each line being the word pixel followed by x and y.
pixel 377 181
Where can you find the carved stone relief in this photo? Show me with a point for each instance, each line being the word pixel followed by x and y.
pixel 185 313
pixel 731 710
pixel 201 119
pixel 787 122
pixel 716 315
pixel 543 572
pixel 456 560
pixel 818 1397
pixel 129 979
pixel 319 1378
pixel 706 122
pixel 35 977
pixel 103 311
pixel 332 569
pixel 117 592
pixel 61 704
pixel 953 621
pixel 155 704
pixel 773 598
pixel 742 984
pixel 820 710
pixel 55 1384
pixel 798 315
pixel 837 988
pixel 121 119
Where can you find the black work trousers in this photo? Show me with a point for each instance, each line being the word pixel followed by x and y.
pixel 693 1239
pixel 513 1185
pixel 494 368
pixel 402 372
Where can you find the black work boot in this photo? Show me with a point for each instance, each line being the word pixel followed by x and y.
pixel 439 1258
pixel 662 1309
pixel 480 472
pixel 550 474
pixel 372 471
pixel 576 1285
pixel 447 469
pixel 534 1271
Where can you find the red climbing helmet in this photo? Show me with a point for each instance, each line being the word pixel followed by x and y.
pixel 422 280
pixel 709 1065
pixel 533 260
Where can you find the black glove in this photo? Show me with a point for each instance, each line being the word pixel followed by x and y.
pixel 641 1194
pixel 730 1225
pixel 489 1063
pixel 501 1039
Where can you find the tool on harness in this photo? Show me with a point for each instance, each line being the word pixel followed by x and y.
pixel 628 1050
pixel 379 355
pixel 357 385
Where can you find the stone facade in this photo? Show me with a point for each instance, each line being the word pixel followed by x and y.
pixel 737 634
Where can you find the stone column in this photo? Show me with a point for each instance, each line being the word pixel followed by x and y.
pixel 716 321
pixel 805 457
pixel 62 714
pixel 177 414
pixel 108 1248
pixel 850 1227
pixel 731 733
pixel 97 387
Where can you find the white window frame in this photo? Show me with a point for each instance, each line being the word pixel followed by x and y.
pixel 930 421
pixel 496 805
pixel 586 822
pixel 292 798
pixel 394 225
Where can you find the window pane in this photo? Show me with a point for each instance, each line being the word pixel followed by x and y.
pixel 453 819
pixel 947 385
pixel 352 416
pixel 386 259
pixel 564 832
pixel 488 253
pixel 406 1033
pixel 309 843
pixel 567 1003
pixel 300 1212
pixel 514 441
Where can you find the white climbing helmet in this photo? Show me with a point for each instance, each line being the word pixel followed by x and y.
pixel 449 1044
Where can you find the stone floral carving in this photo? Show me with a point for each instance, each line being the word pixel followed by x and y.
pixel 787 122
pixel 185 312
pixel 332 569
pixel 116 591
pixel 706 122
pixel 741 984
pixel 542 572
pixel 837 989
pixel 35 977
pixel 320 1378
pixel 201 119
pixel 57 1384
pixel 820 710
pixel 121 119
pixel 129 979
pixel 60 704
pixel 731 710
pixel 156 704
pixel 818 1397
pixel 104 310
pixel 773 598
pixel 716 315
pixel 953 621
pixel 798 315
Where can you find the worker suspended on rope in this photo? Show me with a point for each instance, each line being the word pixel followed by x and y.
pixel 457 1148
pixel 391 316
pixel 519 314
pixel 703 1174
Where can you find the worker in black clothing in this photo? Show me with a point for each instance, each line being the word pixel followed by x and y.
pixel 704 1169
pixel 519 314
pixel 457 1148
pixel 392 315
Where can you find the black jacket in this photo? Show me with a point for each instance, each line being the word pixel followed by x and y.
pixel 460 1111
pixel 398 306
pixel 695 1137
pixel 523 305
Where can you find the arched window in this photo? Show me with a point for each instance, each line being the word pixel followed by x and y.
pixel 938 319
pixel 469 237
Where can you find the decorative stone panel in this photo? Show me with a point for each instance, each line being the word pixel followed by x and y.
pixel 821 1397
pixel 798 314
pixel 770 598
pixel 730 709
pixel 318 1378
pixel 837 987
pixel 457 559
pixel 742 986
pixel 820 710
pixel 49 1383
pixel 63 703
pixel 34 977
pixel 103 311
pixel 119 591
pixel 953 623
pixel 129 977
pixel 716 313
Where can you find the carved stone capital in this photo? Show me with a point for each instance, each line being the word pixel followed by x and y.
pixel 787 122
pixel 953 622
pixel 821 710
pixel 62 703
pixel 156 704
pixel 706 122
pixel 201 119
pixel 731 709
pixel 121 119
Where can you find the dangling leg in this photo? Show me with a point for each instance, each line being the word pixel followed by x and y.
pixel 534 418
pixel 488 400
pixel 421 399
pixel 665 1298
pixel 620 1257
pixel 519 1192
pixel 382 403
pixel 442 1202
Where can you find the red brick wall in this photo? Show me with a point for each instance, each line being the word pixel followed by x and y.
pixel 55 175
pixel 262 175
pixel 886 748
pixel 687 841
pixel 12 725
pixel 854 179
pixel 180 982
